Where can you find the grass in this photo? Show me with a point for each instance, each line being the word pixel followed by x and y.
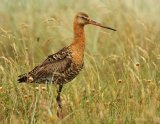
pixel 121 79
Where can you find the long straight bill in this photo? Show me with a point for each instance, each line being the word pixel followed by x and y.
pixel 98 24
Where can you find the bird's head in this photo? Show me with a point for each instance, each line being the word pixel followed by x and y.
pixel 83 19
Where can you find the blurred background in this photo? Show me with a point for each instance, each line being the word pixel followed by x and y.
pixel 121 78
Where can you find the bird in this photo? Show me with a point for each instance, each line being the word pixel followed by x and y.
pixel 63 66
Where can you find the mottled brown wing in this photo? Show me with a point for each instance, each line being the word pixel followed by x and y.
pixel 54 58
pixel 57 62
pixel 57 56
pixel 51 69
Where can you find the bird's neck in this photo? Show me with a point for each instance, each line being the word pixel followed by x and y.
pixel 79 36
pixel 78 45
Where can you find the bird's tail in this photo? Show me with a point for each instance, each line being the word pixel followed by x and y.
pixel 22 78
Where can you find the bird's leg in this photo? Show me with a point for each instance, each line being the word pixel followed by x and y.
pixel 59 96
pixel 59 100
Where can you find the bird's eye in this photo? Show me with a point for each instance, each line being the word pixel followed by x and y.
pixel 83 17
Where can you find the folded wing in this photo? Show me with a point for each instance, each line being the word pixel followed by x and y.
pixel 50 69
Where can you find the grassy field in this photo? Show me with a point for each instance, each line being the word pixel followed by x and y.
pixel 120 83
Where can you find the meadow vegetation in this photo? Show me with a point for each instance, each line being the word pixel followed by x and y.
pixel 120 82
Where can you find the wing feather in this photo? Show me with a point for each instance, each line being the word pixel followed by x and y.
pixel 49 69
pixel 57 56
pixel 54 64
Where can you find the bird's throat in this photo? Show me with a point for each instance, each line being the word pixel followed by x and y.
pixel 78 45
pixel 79 36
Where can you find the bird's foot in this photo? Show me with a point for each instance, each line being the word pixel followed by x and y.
pixel 59 113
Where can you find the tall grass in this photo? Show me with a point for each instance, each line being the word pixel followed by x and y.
pixel 120 82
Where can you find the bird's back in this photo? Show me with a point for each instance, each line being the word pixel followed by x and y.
pixel 59 67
